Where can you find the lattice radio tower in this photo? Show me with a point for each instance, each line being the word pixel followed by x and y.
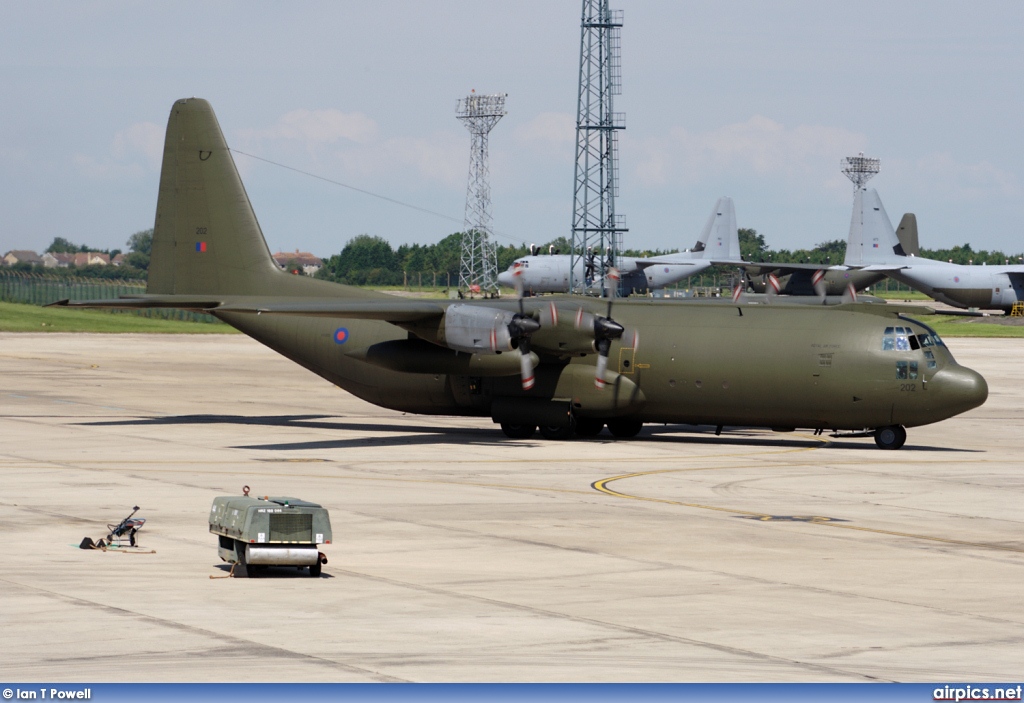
pixel 860 169
pixel 478 268
pixel 596 228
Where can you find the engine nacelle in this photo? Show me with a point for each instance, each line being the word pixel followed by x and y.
pixel 476 329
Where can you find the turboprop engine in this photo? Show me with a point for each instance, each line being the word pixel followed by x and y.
pixel 476 329
pixel 479 330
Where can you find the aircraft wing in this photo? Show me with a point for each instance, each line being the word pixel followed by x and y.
pixel 880 268
pixel 392 311
pixel 398 310
pixel 760 268
pixel 644 263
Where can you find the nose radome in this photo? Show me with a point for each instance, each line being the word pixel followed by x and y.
pixel 962 387
pixel 505 278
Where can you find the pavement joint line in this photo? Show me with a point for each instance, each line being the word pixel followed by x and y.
pixel 118 610
pixel 638 631
pixel 602 486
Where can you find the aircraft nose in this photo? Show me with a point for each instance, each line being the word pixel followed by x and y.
pixel 505 278
pixel 962 388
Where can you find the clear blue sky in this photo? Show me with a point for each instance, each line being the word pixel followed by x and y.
pixel 756 100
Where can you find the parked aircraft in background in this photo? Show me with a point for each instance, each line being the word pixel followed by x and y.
pixel 983 287
pixel 833 279
pixel 550 274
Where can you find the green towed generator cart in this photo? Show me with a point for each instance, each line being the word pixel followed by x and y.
pixel 269 531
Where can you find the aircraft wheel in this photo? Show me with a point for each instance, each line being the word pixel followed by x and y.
pixel 624 427
pixel 588 427
pixel 890 437
pixel 314 569
pixel 558 432
pixel 518 431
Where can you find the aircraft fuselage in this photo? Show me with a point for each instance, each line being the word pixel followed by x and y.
pixel 984 287
pixel 714 364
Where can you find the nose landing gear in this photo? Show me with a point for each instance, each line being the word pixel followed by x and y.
pixel 890 437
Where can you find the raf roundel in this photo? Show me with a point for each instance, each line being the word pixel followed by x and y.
pixel 340 335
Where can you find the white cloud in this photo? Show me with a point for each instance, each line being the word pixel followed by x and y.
pixel 133 151
pixel 548 129
pixel 353 142
pixel 318 127
pixel 759 145
pixel 941 174
pixel 144 139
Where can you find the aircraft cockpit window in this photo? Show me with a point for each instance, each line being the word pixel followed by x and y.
pixel 906 370
pixel 914 344
pixel 930 358
pixel 925 340
pixel 896 338
pixel 902 343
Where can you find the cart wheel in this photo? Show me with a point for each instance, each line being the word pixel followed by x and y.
pixel 315 569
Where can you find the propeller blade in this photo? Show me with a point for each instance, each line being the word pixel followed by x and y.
pixel 737 293
pixel 549 315
pixel 517 280
pixel 632 340
pixel 850 294
pixel 525 365
pixel 602 365
pixel 818 281
pixel 611 281
pixel 772 287
pixel 584 320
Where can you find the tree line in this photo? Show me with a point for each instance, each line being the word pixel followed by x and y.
pixel 368 260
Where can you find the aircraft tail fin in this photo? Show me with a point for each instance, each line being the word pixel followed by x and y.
pixel 907 234
pixel 206 239
pixel 720 238
pixel 872 239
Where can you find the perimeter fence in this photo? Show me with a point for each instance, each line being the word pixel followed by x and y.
pixel 37 289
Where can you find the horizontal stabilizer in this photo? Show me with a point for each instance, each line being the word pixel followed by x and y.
pixel 183 302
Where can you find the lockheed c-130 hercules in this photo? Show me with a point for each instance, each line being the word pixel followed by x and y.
pixel 570 365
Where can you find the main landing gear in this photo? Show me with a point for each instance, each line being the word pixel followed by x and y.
pixel 581 427
pixel 890 437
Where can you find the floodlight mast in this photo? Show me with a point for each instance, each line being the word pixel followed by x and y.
pixel 860 169
pixel 596 228
pixel 478 266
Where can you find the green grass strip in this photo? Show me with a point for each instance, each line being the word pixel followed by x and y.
pixel 17 317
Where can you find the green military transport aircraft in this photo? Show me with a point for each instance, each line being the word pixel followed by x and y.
pixel 568 365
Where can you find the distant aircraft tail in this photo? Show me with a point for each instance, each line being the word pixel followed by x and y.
pixel 720 238
pixel 872 239
pixel 907 234
pixel 206 239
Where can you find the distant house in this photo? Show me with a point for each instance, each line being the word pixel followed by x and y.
pixel 53 260
pixel 91 258
pixel 310 264
pixel 21 256
pixel 117 260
